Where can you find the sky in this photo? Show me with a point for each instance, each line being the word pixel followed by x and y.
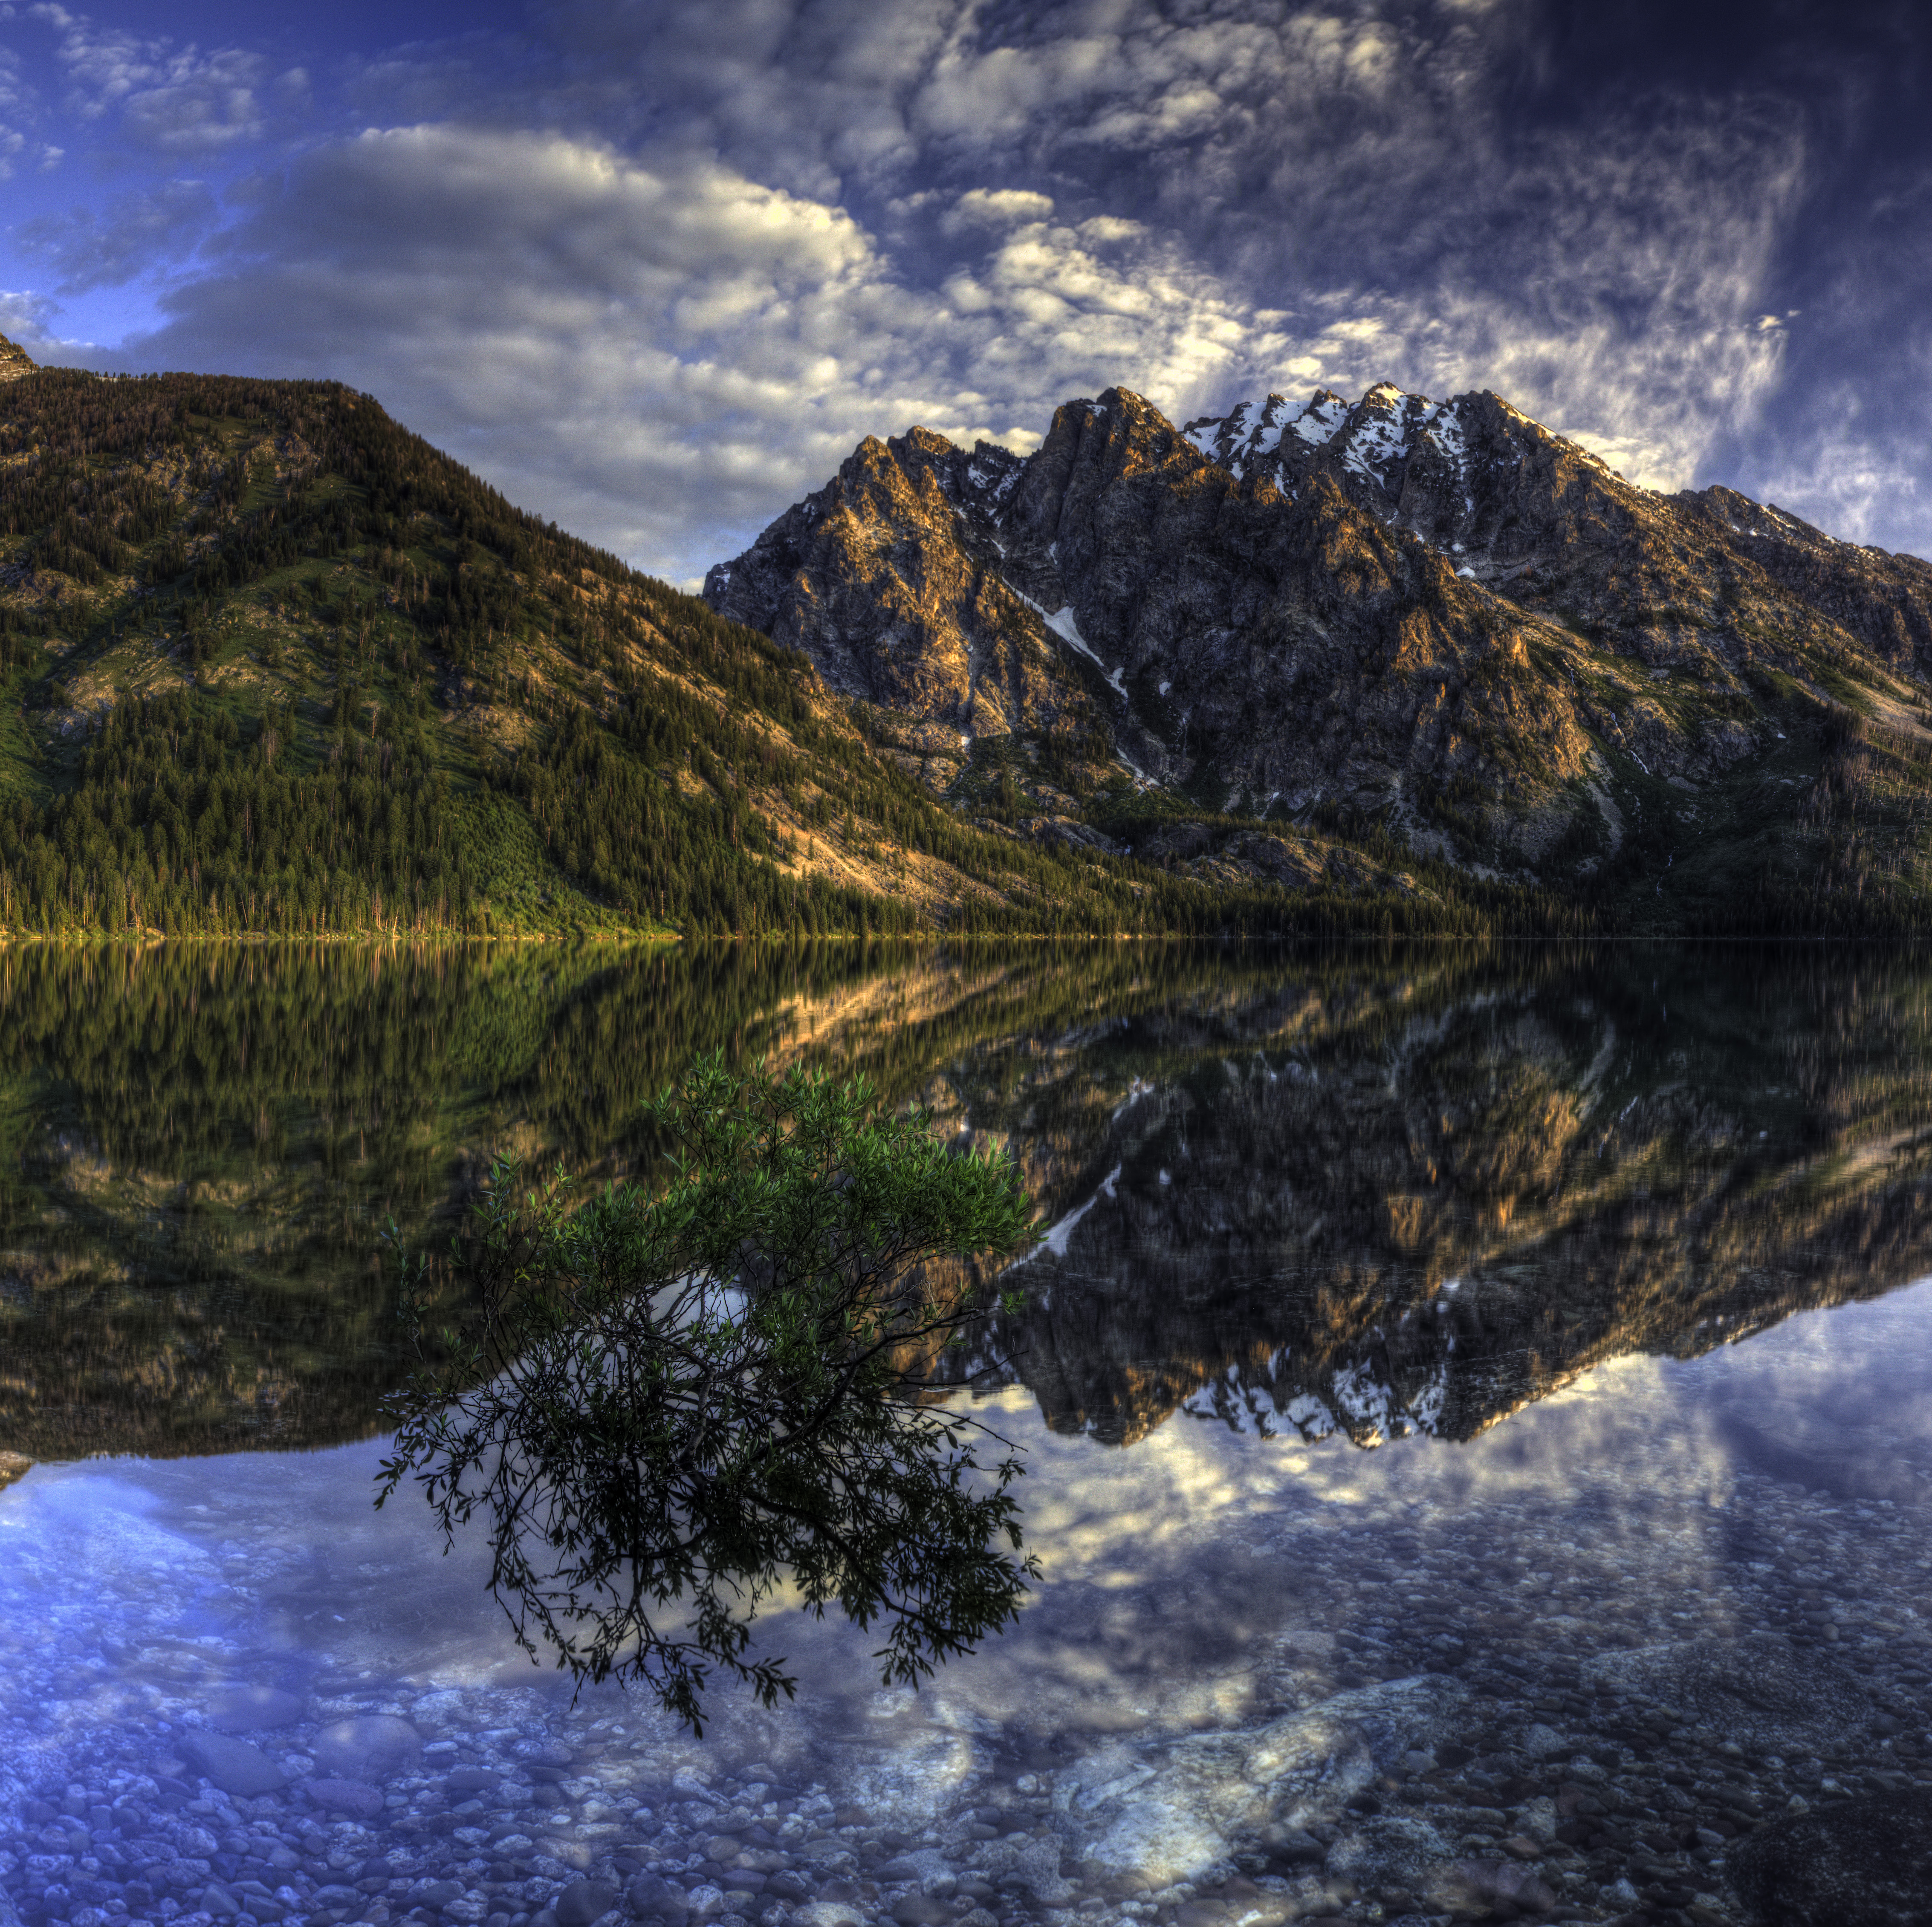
pixel 654 267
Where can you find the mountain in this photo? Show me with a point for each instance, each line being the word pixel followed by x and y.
pixel 270 664
pixel 1435 630
pixel 1380 1204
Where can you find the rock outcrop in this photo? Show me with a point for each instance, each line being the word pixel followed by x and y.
pixel 14 361
pixel 1171 1811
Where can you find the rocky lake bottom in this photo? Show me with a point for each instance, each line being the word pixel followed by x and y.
pixel 1656 1649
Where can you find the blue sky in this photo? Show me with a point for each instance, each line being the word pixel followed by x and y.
pixel 655 268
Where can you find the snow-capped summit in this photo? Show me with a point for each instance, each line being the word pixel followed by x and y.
pixel 1371 440
pixel 1244 439
pixel 1438 468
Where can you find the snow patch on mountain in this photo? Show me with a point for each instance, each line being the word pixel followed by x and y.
pixel 1443 428
pixel 1375 444
pixel 1061 622
pixel 1371 435
pixel 994 485
pixel 1317 422
pixel 1057 1237
pixel 1250 434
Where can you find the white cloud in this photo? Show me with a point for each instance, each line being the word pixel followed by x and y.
pixel 16 96
pixel 1861 489
pixel 28 319
pixel 994 208
pixel 1854 466
pixel 26 314
pixel 809 94
pixel 18 109
pixel 175 100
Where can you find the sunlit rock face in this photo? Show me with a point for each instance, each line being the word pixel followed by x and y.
pixel 1399 608
pixel 1292 648
pixel 14 361
pixel 890 577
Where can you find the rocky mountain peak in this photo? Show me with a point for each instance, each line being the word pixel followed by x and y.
pixel 14 361
pixel 1438 617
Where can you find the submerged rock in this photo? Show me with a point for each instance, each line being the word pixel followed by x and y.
pixel 1411 1855
pixel 583 1901
pixel 1465 1884
pixel 830 1913
pixel 1397 1851
pixel 1036 1870
pixel 1761 1692
pixel 349 1797
pixel 1168 1810
pixel 1867 1863
pixel 904 1785
pixel 650 1897
pixel 236 1765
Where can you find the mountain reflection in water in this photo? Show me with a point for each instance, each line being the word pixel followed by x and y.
pixel 1293 1192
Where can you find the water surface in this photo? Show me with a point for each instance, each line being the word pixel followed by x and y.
pixel 1426 1317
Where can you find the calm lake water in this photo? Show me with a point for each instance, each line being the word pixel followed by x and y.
pixel 1478 1412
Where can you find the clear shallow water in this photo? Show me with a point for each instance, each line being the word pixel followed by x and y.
pixel 1678 1402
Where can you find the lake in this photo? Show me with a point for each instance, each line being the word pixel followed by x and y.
pixel 1476 1407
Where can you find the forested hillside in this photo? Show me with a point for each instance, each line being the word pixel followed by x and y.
pixel 271 664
